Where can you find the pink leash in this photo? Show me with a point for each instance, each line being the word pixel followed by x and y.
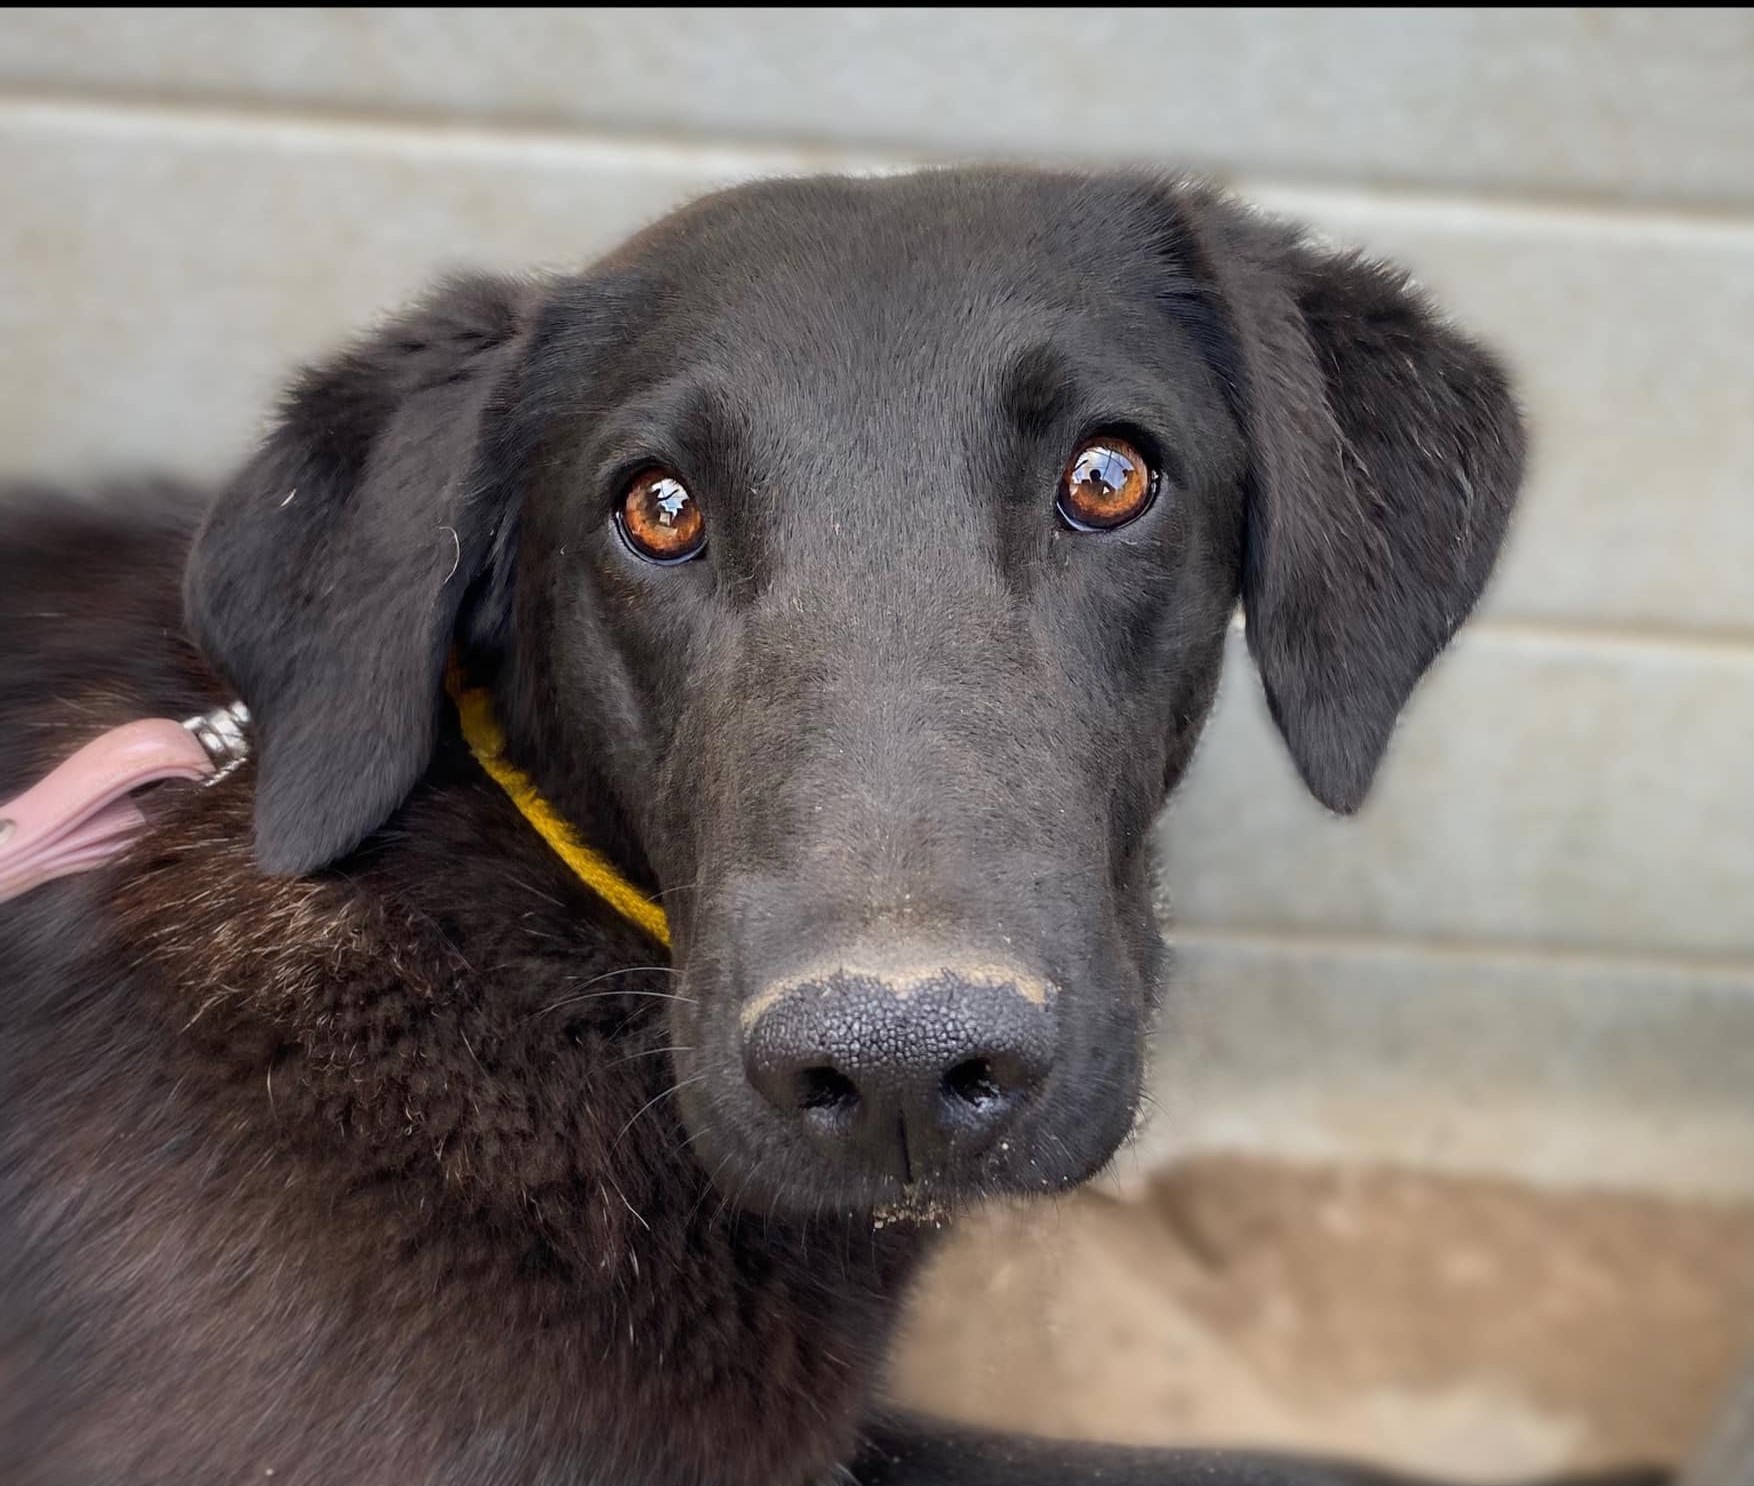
pixel 82 814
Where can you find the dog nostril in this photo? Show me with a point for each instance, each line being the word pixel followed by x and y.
pixel 973 1082
pixel 826 1088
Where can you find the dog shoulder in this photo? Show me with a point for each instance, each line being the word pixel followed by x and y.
pixel 91 608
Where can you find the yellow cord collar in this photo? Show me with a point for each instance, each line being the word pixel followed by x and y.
pixel 591 867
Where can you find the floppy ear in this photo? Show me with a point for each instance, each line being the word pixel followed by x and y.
pixel 1385 453
pixel 326 582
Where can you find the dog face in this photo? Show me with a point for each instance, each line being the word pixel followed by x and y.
pixel 852 560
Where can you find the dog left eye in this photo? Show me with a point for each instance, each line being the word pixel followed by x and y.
pixel 660 520
pixel 1107 483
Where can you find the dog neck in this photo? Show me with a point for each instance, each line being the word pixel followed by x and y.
pixel 596 871
pixel 436 1085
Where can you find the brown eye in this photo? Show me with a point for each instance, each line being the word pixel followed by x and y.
pixel 1107 484
pixel 660 520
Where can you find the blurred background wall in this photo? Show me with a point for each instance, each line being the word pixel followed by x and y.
pixel 1530 962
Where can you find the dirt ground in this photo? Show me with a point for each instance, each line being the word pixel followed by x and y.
pixel 1472 1328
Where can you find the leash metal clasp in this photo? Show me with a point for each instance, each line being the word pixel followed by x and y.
pixel 221 733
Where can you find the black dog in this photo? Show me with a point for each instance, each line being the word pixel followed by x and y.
pixel 850 563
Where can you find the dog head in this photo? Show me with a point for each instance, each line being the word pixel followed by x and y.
pixel 852 561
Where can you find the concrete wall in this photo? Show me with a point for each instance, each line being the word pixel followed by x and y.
pixel 1534 952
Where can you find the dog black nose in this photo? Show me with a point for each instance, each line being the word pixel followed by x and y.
pixel 903 1070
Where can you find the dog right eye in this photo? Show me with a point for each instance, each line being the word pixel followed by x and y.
pixel 659 520
pixel 1106 484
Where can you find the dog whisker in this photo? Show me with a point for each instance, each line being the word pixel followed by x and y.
pixel 581 996
pixel 651 1052
pixel 655 1099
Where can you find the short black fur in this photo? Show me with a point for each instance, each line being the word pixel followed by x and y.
pixel 344 1134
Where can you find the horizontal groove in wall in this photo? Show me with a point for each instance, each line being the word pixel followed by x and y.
pixel 404 128
pixel 1668 964
pixel 436 134
pixel 1680 641
pixel 1677 641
